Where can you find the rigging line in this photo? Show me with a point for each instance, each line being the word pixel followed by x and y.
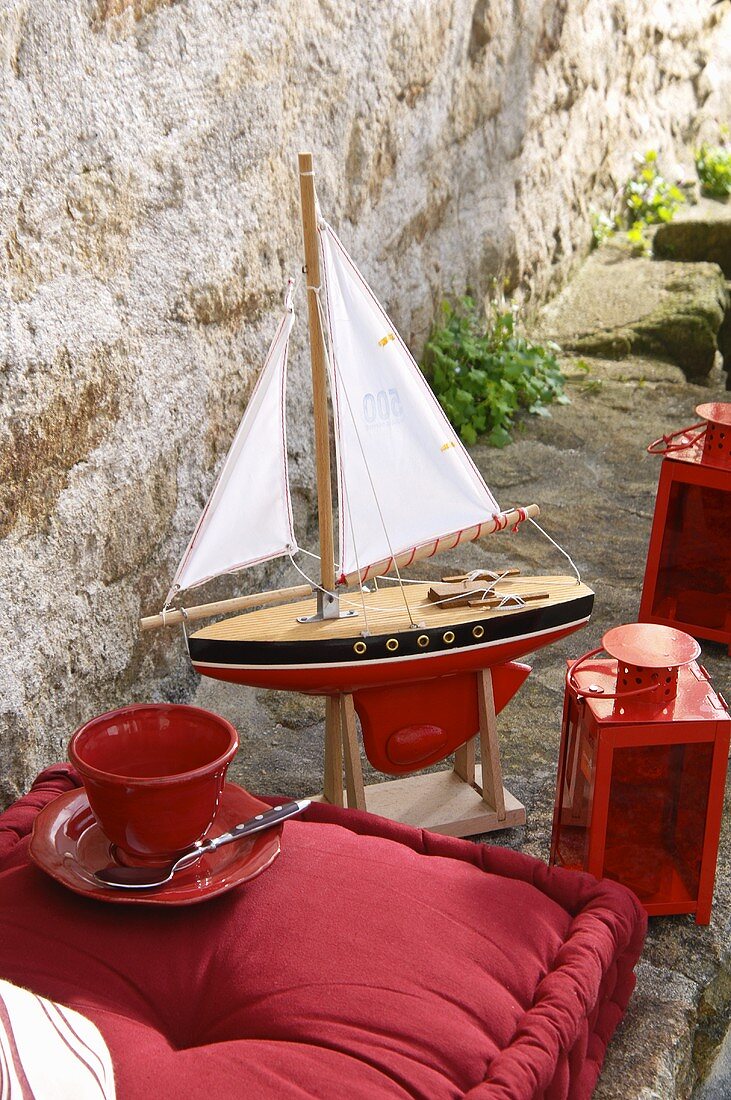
pixel 301 550
pixel 315 586
pixel 368 472
pixel 396 580
pixel 345 600
pixel 489 590
pixel 512 599
pixel 184 624
pixel 352 602
pixel 343 494
pixel 357 566
pixel 559 548
pixel 323 329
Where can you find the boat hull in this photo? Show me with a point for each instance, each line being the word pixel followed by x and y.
pixel 416 688
pixel 331 665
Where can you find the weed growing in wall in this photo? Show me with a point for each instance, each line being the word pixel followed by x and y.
pixel 713 165
pixel 645 199
pixel 648 198
pixel 483 369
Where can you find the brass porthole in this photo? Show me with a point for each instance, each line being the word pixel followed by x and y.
pixel 448 637
pixel 478 631
pixel 360 648
pixel 392 645
pixel 422 641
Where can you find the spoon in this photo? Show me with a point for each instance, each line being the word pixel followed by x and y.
pixel 145 878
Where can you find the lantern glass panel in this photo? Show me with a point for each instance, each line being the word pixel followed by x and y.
pixel 694 572
pixel 574 814
pixel 656 819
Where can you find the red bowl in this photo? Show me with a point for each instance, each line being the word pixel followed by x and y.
pixel 154 774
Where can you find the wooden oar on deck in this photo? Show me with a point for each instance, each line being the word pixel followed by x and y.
pixel 468 594
pixel 239 603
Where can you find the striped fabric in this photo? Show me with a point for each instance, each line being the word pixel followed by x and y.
pixel 49 1052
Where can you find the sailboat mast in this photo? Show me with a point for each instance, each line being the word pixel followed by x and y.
pixel 319 374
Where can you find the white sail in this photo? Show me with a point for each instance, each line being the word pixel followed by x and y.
pixel 248 517
pixel 406 482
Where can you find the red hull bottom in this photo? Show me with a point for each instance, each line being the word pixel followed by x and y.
pixel 409 726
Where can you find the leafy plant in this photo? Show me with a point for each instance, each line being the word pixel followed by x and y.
pixel 713 165
pixel 584 378
pixel 483 369
pixel 645 199
pixel 649 198
pixel 602 226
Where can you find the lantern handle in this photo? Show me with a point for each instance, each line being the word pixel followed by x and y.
pixel 664 445
pixel 597 692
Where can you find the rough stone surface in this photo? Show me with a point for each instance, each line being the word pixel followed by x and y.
pixel 704 235
pixel 587 467
pixel 716 1085
pixel 703 232
pixel 149 218
pixel 618 305
pixel 724 341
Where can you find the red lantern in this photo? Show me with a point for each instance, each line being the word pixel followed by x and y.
pixel 688 574
pixel 642 768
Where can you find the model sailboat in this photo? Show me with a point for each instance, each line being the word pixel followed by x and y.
pixel 407 490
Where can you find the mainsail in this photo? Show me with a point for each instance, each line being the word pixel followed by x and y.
pixel 248 517
pixel 407 486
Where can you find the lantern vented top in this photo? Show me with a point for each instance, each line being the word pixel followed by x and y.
pixel 717 438
pixel 648 656
pixel 650 645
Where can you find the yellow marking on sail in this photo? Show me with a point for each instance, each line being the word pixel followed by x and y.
pixel 389 336
pixel 446 446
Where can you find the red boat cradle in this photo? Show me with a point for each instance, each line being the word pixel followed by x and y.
pixel 442 715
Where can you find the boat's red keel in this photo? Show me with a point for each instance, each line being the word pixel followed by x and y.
pixel 409 726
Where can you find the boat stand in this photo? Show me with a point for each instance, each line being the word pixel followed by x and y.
pixel 468 799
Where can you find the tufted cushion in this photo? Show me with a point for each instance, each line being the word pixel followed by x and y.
pixel 372 961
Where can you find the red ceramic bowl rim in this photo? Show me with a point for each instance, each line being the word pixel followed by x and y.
pixel 154 780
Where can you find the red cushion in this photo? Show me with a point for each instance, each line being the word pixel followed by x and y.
pixel 372 960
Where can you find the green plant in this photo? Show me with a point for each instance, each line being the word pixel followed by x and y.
pixel 483 369
pixel 602 227
pixel 645 199
pixel 713 165
pixel 584 379
pixel 649 199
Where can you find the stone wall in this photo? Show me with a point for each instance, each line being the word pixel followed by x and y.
pixel 149 220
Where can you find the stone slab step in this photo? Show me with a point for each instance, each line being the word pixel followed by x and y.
pixel 618 305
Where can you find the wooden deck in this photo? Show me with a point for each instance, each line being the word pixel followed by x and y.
pixel 385 612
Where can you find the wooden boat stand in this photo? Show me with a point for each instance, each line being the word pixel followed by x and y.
pixel 467 800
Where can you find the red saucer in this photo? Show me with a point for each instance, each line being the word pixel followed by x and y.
pixel 68 844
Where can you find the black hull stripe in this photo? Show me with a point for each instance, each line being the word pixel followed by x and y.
pixel 340 650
